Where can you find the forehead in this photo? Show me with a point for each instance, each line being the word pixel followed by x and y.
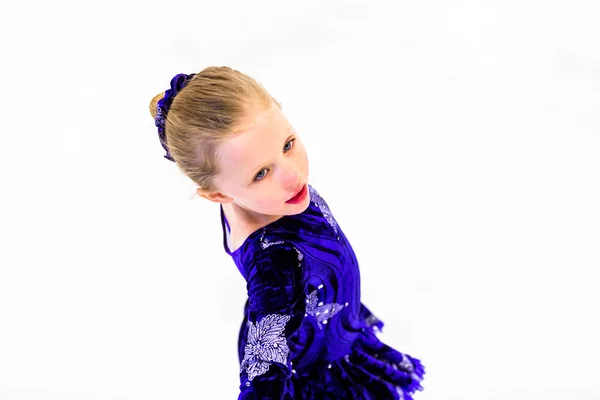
pixel 259 138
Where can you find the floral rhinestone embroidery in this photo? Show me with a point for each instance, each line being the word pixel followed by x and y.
pixel 318 200
pixel 266 343
pixel 321 312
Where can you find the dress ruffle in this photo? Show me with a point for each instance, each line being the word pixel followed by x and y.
pixel 371 371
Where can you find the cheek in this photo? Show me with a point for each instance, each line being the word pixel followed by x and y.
pixel 269 202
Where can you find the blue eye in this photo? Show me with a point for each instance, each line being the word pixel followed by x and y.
pixel 286 148
pixel 259 176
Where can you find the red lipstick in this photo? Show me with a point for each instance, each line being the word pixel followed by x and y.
pixel 300 196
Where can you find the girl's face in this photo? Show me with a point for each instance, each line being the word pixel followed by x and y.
pixel 264 166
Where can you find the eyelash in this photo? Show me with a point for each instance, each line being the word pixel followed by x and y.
pixel 264 169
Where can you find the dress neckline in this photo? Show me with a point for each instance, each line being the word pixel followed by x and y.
pixel 226 229
pixel 225 223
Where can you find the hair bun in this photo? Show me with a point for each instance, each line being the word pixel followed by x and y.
pixel 160 108
pixel 154 104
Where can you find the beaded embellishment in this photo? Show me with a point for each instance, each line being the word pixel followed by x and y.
pixel 321 312
pixel 318 200
pixel 266 343
pixel 264 243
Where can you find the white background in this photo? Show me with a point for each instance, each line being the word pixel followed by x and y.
pixel 457 144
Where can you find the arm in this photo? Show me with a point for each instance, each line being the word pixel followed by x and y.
pixel 276 286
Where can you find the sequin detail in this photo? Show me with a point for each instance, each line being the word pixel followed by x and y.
pixel 318 200
pixel 300 256
pixel 406 364
pixel 372 320
pixel 264 243
pixel 321 312
pixel 400 392
pixel 266 343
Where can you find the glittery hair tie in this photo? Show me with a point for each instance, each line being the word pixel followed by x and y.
pixel 162 108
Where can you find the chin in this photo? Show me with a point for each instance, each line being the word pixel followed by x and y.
pixel 299 208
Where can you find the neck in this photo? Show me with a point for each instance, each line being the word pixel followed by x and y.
pixel 248 219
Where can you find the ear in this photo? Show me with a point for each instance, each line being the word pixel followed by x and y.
pixel 216 197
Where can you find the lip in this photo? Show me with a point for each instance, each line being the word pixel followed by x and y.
pixel 299 196
pixel 298 191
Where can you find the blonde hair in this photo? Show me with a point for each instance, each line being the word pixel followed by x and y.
pixel 210 109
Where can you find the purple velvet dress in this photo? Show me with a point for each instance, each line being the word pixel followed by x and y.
pixel 305 333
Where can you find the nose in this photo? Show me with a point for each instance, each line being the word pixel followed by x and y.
pixel 290 178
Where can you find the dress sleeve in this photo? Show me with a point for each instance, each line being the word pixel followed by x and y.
pixel 276 284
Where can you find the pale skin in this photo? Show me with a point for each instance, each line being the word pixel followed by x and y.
pixel 260 169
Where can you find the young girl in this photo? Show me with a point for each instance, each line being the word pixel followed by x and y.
pixel 305 333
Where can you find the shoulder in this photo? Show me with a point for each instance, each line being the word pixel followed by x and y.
pixel 314 194
pixel 270 249
pixel 318 200
pixel 275 273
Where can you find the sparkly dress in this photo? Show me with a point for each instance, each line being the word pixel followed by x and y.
pixel 305 333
